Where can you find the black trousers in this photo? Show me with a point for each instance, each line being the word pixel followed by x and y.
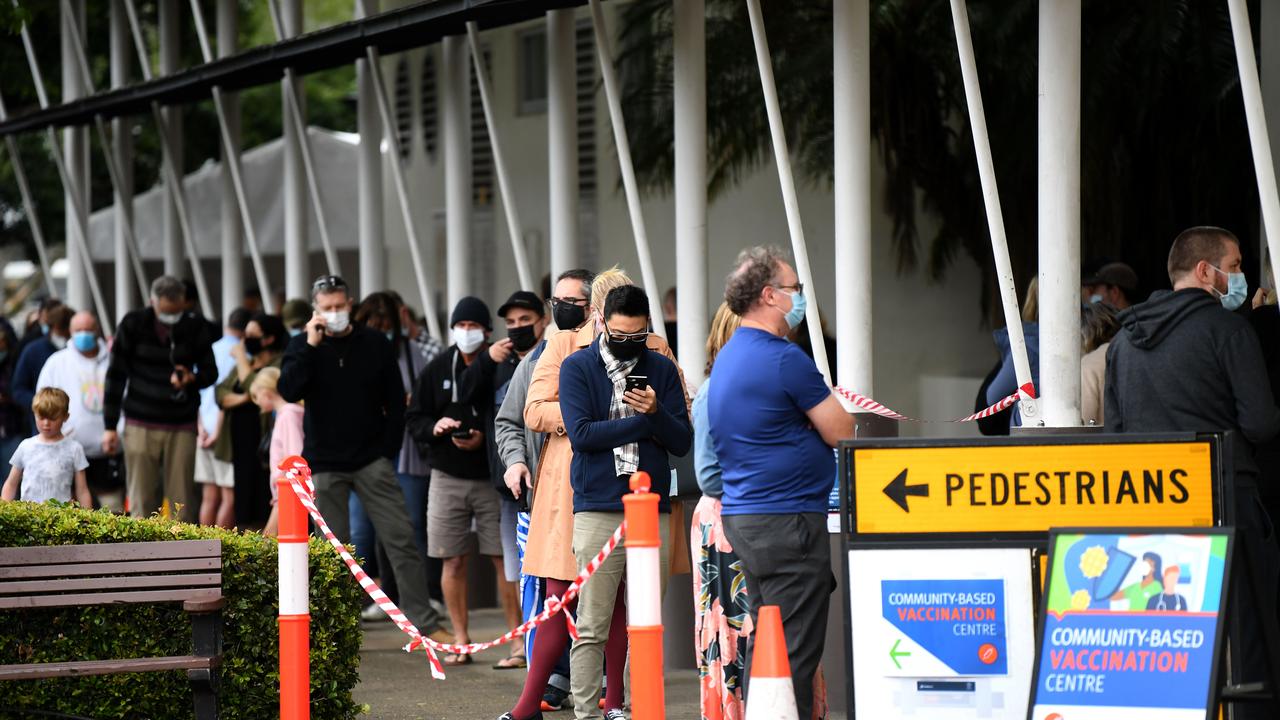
pixel 787 562
pixel 1255 531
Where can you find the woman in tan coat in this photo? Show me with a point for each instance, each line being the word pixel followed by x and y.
pixel 549 552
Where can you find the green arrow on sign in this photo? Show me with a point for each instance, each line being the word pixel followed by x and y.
pixel 894 653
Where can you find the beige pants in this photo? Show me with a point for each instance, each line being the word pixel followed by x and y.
pixel 161 464
pixel 591 530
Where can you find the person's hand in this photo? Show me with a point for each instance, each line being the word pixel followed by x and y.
pixel 110 442
pixel 444 425
pixel 1259 298
pixel 644 401
pixel 500 350
pixel 238 352
pixel 181 377
pixel 315 329
pixel 516 477
pixel 471 442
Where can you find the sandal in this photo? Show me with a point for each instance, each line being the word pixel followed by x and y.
pixel 514 662
pixel 457 660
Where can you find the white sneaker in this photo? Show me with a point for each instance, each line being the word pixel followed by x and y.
pixel 615 714
pixel 373 613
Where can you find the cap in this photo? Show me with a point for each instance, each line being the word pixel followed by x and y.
pixel 473 309
pixel 295 313
pixel 1117 273
pixel 522 299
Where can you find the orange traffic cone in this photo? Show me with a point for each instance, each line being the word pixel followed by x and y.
pixel 771 695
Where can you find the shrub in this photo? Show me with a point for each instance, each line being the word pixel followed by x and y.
pixel 250 669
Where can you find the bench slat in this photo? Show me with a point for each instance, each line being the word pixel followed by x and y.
pixel 108 598
pixel 164 550
pixel 29 587
pixel 106 667
pixel 108 568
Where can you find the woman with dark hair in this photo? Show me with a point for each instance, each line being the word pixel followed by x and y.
pixel 1098 325
pixel 10 413
pixel 1141 592
pixel 243 426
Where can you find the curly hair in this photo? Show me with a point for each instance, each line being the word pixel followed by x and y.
pixel 753 271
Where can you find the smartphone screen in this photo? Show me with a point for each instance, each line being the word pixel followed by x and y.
pixel 637 382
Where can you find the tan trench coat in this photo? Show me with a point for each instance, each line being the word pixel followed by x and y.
pixel 549 552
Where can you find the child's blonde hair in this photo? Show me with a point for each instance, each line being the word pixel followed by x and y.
pixel 51 403
pixel 266 379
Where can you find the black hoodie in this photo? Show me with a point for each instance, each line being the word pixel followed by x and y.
pixel 1182 362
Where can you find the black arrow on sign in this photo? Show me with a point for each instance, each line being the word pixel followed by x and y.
pixel 898 490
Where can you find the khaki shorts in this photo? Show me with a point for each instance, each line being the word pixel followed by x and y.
pixel 452 505
pixel 211 470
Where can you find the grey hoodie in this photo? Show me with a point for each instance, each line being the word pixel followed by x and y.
pixel 1181 362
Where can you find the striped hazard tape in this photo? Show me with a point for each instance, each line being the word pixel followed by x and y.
pixel 298 473
pixel 863 402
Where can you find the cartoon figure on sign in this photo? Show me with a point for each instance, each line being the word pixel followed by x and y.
pixel 1169 600
pixel 1139 593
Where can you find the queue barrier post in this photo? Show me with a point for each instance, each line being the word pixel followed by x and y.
pixel 644 600
pixel 295 615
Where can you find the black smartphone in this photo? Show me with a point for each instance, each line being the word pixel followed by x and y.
pixel 461 433
pixel 522 502
pixel 637 382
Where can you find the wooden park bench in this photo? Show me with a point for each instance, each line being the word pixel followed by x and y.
pixel 71 576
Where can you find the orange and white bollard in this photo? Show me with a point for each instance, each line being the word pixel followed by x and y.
pixel 644 600
pixel 771 695
pixel 295 614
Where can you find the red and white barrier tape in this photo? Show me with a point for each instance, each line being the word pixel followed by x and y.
pixel 863 402
pixel 299 476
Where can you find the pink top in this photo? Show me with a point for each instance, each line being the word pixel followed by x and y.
pixel 286 440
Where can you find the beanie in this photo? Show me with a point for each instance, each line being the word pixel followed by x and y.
pixel 473 309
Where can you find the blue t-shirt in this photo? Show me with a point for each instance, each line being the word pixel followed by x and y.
pixel 774 462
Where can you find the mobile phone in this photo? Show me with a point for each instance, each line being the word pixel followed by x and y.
pixel 461 433
pixel 637 382
pixel 522 502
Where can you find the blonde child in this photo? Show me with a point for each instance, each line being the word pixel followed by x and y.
pixel 286 433
pixel 50 465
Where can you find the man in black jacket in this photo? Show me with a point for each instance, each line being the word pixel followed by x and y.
pixel 163 357
pixel 450 429
pixel 354 423
pixel 1184 361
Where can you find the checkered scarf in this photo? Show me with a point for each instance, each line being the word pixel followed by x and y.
pixel 626 458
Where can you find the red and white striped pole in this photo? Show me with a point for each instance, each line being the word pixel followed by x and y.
pixel 644 600
pixel 295 615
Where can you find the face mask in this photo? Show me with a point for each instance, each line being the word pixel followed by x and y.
pixel 44 328
pixel 795 315
pixel 58 341
pixel 468 341
pixel 1095 299
pixel 1237 289
pixel 523 338
pixel 568 316
pixel 404 332
pixel 391 336
pixel 253 345
pixel 168 318
pixel 295 332
pixel 336 321
pixel 624 350
pixel 84 341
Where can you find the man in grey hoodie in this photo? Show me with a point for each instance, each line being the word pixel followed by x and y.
pixel 1184 361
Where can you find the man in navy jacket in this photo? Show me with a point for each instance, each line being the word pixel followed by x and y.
pixel 615 432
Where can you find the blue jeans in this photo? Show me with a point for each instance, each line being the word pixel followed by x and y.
pixel 365 539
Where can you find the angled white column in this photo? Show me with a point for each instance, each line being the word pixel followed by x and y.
pixel 690 96
pixel 455 107
pixel 170 39
pixel 75 143
pixel 232 237
pixel 297 268
pixel 852 117
pixel 32 216
pixel 373 249
pixel 122 135
pixel 1059 211
pixel 562 140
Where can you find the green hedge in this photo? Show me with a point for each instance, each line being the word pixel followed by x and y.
pixel 250 669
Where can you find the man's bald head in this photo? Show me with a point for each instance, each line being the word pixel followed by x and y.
pixel 84 321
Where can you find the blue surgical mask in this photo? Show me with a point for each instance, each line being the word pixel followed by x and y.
pixel 1095 299
pixel 1237 289
pixel 44 328
pixel 295 332
pixel 84 341
pixel 795 315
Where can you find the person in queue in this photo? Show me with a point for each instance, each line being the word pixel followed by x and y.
pixel 774 422
pixel 163 356
pixel 353 426
pixel 448 428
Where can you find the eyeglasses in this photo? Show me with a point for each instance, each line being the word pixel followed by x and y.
pixel 328 283
pixel 639 337
pixel 571 301
pixel 798 287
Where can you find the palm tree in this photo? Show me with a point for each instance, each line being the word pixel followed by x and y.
pixel 1164 143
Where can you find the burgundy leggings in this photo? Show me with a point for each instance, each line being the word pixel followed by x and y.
pixel 553 638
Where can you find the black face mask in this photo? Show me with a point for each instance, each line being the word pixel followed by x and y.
pixel 568 315
pixel 253 345
pixel 522 338
pixel 625 349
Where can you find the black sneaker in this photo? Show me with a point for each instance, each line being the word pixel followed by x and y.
pixel 554 699
pixel 509 716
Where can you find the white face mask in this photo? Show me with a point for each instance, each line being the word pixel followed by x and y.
pixel 168 318
pixel 468 341
pixel 336 321
pixel 58 341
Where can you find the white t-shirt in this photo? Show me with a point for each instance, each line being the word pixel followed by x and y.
pixel 84 381
pixel 48 468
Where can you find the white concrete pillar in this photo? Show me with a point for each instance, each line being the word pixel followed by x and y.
pixel 170 39
pixel 852 116
pixel 455 107
pixel 75 144
pixel 690 95
pixel 232 236
pixel 122 138
pixel 373 249
pixel 297 268
pixel 1059 211
pixel 562 139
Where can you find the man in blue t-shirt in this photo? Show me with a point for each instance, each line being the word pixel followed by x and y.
pixel 774 421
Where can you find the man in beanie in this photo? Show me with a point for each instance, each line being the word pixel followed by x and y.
pixel 450 430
